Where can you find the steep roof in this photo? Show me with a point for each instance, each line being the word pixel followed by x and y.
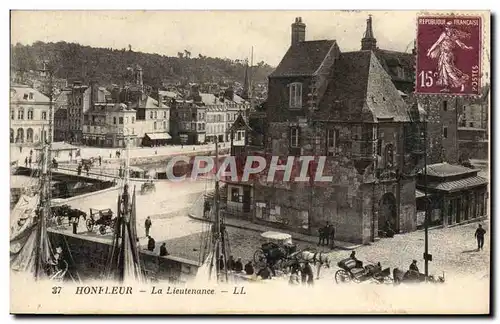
pixel 391 59
pixel 303 59
pixel 361 90
pixel 22 92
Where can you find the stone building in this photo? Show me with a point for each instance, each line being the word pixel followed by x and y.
pixel 110 125
pixel 187 122
pixel 215 117
pixel 29 116
pixel 61 125
pixel 344 106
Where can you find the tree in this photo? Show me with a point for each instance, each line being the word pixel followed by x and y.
pixel 180 54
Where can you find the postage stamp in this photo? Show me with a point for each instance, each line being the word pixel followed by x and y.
pixel 448 55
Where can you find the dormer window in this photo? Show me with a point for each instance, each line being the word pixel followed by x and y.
pixel 31 96
pixel 296 95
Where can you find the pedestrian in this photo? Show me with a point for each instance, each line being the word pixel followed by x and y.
pixel 151 244
pixel 20 149
pixel 31 152
pixel 26 161
pixel 479 235
pixel 75 224
pixel 238 265
pixel 414 267
pixel 326 234
pixel 249 268
pixel 147 225
pixel 100 160
pixel 29 161
pixel 332 236
pixel 70 156
pixel 321 235
pixel 163 249
pixel 110 155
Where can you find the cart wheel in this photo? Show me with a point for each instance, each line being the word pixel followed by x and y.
pixel 102 229
pixel 341 276
pixel 90 225
pixel 259 258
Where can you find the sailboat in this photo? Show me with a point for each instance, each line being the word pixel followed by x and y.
pixel 30 248
pixel 124 263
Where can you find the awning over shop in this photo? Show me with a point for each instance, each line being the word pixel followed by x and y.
pixel 457 185
pixel 158 136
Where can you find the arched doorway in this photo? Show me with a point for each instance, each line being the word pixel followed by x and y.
pixel 11 135
pixel 20 135
pixel 29 135
pixel 388 213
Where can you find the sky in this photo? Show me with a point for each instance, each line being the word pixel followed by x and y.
pixel 228 34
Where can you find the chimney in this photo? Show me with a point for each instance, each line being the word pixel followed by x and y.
pixel 298 31
pixel 229 93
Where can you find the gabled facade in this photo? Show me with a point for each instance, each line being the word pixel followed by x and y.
pixel 344 106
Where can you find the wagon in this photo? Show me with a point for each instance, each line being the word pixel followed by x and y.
pixel 275 250
pixel 105 219
pixel 147 187
pixel 352 270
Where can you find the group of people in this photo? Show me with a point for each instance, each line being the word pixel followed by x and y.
pixel 327 236
pixel 237 266
pixel 301 274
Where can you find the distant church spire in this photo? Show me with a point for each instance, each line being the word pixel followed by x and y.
pixel 247 92
pixel 368 42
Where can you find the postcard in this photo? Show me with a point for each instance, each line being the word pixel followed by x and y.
pixel 250 162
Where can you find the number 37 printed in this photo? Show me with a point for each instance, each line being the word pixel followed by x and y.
pixel 426 79
pixel 56 290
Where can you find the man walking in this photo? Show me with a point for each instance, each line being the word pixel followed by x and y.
pixel 147 225
pixel 332 236
pixel 479 235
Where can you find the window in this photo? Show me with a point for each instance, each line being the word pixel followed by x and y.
pixel 31 96
pixel 164 114
pixel 471 124
pixel 120 120
pixel 296 95
pixel 331 137
pixel 20 114
pixel 379 147
pixel 133 119
pixel 154 126
pixel 30 114
pixel 151 115
pixel 445 105
pixel 165 125
pixel 114 120
pixel 294 137
pixel 44 115
pixel 445 132
pixel 235 195
pixel 25 97
pixel 156 114
pixel 12 114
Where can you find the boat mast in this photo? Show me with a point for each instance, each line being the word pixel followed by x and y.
pixel 44 207
pixel 217 233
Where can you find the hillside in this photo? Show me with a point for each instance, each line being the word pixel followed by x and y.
pixel 77 62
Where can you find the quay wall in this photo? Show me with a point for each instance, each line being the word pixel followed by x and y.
pixel 89 257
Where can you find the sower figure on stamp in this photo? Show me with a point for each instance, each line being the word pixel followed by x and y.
pixel 479 235
pixel 449 76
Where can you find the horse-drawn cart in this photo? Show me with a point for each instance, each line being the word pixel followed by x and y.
pixel 352 270
pixel 104 221
pixel 275 250
pixel 148 187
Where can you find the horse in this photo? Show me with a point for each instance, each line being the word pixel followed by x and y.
pixel 323 258
pixel 66 211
